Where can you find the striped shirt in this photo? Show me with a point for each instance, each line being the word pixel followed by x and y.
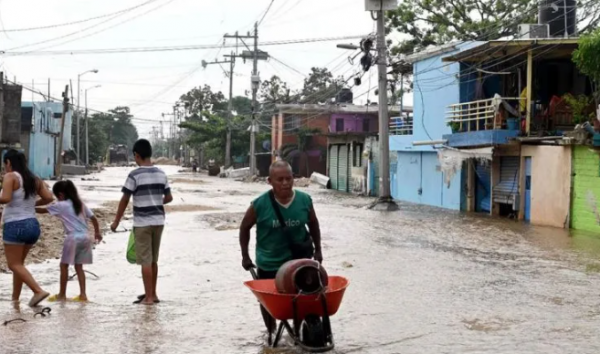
pixel 148 185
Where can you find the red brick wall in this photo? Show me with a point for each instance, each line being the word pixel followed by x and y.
pixel 311 121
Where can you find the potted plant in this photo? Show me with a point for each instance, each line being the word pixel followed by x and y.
pixel 455 126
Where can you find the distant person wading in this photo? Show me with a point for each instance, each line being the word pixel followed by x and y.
pixel 21 230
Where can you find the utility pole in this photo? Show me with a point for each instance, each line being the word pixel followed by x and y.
pixel 255 55
pixel 58 170
pixel 170 135
pixel 385 202
pixel 77 113
pixel 255 83
pixel 231 63
pixel 87 136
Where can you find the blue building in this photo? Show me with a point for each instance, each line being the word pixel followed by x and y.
pixel 415 169
pixel 40 131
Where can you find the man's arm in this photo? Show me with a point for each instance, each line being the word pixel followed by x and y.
pixel 247 223
pixel 120 211
pixel 167 198
pixel 315 234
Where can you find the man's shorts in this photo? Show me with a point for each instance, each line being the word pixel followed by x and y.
pixel 147 244
pixel 23 232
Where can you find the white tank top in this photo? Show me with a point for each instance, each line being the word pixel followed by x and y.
pixel 19 208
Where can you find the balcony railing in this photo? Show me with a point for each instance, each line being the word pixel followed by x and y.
pixel 398 127
pixel 487 114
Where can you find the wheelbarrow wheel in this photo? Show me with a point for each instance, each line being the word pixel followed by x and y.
pixel 313 332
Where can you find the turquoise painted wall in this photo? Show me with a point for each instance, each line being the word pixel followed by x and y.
pixel 435 88
pixel 424 184
pixel 42 140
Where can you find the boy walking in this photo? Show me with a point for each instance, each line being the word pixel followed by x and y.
pixel 150 190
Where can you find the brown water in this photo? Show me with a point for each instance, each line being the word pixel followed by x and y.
pixel 422 281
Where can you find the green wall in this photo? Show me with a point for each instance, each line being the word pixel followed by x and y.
pixel 585 206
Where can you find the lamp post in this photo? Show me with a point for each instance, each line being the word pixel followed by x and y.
pixel 95 71
pixel 87 140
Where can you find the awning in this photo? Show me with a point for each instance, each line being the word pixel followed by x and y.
pixel 451 160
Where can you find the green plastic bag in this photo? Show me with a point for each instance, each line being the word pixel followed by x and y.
pixel 131 257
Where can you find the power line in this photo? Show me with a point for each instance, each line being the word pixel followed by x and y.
pixel 173 48
pixel 88 28
pixel 79 21
pixel 266 12
pixel 288 66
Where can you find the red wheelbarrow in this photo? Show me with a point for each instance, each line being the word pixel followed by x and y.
pixel 310 314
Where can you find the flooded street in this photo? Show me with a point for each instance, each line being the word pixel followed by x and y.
pixel 421 281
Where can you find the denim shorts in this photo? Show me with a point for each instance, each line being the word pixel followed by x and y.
pixel 22 232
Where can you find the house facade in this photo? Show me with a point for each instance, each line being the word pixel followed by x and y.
pixel 416 173
pixel 504 134
pixel 299 135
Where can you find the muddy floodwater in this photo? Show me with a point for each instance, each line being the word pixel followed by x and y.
pixel 422 281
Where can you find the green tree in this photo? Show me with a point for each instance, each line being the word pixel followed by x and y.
pixel 319 87
pixel 436 22
pixel 587 59
pixel 114 127
pixel 122 130
pixel 203 99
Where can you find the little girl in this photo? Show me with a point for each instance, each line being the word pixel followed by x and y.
pixel 77 248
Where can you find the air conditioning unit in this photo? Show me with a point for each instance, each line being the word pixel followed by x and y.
pixel 530 31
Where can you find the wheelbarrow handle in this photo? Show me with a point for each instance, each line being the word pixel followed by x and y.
pixel 253 272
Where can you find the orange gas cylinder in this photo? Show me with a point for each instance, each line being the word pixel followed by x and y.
pixel 301 276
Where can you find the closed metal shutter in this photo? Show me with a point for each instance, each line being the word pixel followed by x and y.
pixel 507 191
pixel 483 173
pixel 333 166
pixel 343 167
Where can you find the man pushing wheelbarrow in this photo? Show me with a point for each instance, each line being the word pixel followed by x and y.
pixel 281 216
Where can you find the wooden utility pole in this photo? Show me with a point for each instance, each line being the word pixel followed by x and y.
pixel 58 164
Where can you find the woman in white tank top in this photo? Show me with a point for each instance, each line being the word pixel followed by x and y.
pixel 21 230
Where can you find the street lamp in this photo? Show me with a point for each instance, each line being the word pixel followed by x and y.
pixel 95 71
pixel 87 140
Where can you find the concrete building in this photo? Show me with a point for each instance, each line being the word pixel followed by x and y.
pixel 509 133
pixel 416 169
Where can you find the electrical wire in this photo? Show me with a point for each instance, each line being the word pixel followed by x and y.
pixel 288 66
pixel 266 12
pixel 85 29
pixel 45 27
pixel 173 48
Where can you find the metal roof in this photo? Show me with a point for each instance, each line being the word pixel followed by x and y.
pixel 548 48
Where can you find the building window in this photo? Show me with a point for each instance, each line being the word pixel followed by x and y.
pixel 292 123
pixel 339 125
pixel 366 126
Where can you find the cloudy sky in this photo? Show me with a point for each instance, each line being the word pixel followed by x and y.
pixel 151 82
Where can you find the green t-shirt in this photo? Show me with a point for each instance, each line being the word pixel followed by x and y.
pixel 272 245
